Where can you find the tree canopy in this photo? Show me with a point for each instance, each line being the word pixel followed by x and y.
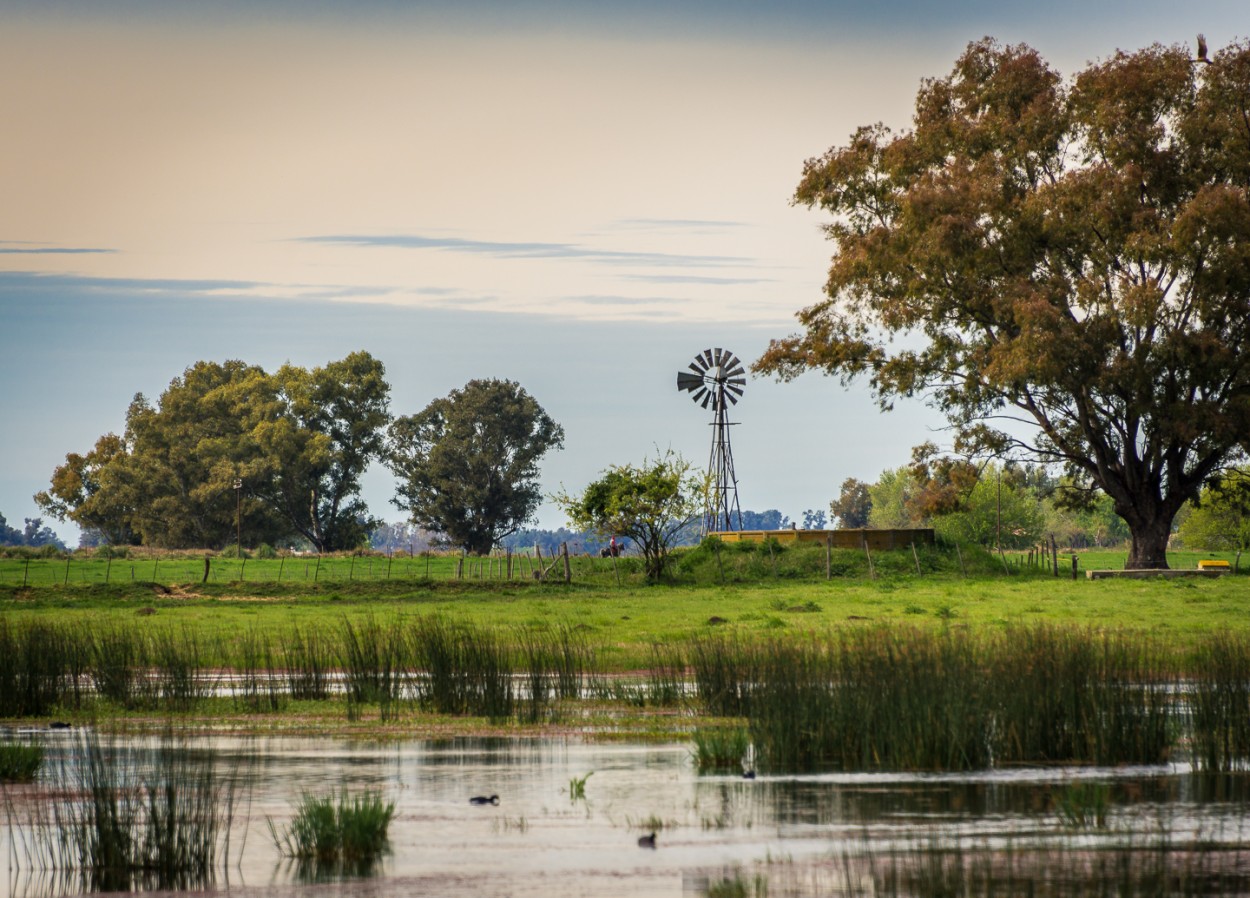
pixel 653 504
pixel 467 463
pixel 1061 267
pixel 296 441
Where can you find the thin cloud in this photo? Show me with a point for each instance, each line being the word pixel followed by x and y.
pixel 694 279
pixel 26 248
pixel 522 250
pixel 677 224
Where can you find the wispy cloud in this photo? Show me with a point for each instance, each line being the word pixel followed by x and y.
pixel 677 224
pixel 524 250
pixel 694 279
pixel 27 248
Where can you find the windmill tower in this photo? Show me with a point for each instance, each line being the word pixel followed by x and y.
pixel 716 378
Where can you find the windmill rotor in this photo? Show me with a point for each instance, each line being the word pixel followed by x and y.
pixel 716 378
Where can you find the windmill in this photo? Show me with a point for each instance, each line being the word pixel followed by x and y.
pixel 716 378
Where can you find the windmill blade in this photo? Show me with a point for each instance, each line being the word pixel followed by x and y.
pixel 688 382
pixel 699 395
pixel 706 398
pixel 735 389
pixel 733 368
pixel 720 355
pixel 697 366
pixel 707 355
pixel 736 382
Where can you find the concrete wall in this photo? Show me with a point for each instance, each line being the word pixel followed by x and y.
pixel 876 540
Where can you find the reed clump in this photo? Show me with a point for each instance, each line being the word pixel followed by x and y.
pixel 721 748
pixel 465 670
pixel 20 761
pixel 910 699
pixel 308 655
pixel 38 665
pixel 124 817
pixel 336 834
pixel 1219 702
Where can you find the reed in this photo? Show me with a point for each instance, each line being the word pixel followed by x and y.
pixel 120 659
pixel 20 761
pixel 123 818
pixel 256 684
pixel 538 658
pixel 374 662
pixel 309 657
pixel 724 672
pixel 1219 702
pixel 467 670
pixel 34 668
pixel 180 669
pixel 666 674
pixel 337 834
pixel 721 748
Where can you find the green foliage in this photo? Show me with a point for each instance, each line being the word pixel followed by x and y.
pixel 653 504
pixel 1221 520
pixel 1068 256
pixel 468 463
pixel 718 748
pixel 853 505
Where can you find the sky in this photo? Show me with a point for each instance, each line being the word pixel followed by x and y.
pixel 575 196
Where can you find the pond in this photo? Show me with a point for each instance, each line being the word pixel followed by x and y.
pixel 715 834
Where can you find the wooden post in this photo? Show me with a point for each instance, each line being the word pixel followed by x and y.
pixel 720 567
pixel 872 574
pixel 509 565
pixel 1073 565
pixel 460 568
pixel 207 564
pixel 109 567
pixel 772 557
pixel 960 555
pixel 1237 562
pixel 281 565
pixel 25 571
pixel 828 556
pixel 568 567
pixel 916 556
pixel 1054 554
pixel 155 564
pixel 351 568
pixel 317 569
pixel 66 583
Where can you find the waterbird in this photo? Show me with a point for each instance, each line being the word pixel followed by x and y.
pixel 482 799
pixel 748 775
pixel 646 841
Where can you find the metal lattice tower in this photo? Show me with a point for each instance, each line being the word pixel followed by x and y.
pixel 716 378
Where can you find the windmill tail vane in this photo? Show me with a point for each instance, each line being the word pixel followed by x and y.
pixel 716 379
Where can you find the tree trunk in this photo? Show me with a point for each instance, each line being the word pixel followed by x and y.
pixel 1149 549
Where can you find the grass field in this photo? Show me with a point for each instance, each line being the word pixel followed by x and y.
pixel 740 588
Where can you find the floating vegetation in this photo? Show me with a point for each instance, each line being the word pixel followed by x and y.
pixel 20 761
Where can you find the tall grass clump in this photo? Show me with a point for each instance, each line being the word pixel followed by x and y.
pixel 466 670
pixel 336 835
pixel 1219 702
pixel 120 660
pixel 721 748
pixel 666 674
pixel 20 761
pixel 1073 695
pixel 180 671
pixel 124 818
pixel 374 660
pixel 309 657
pixel 257 686
pixel 724 673
pixel 35 668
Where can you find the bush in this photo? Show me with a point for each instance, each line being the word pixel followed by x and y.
pixel 264 550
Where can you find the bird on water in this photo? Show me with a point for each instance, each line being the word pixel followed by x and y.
pixel 646 841
pixel 483 799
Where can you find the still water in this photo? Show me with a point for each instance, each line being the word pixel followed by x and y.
pixel 805 835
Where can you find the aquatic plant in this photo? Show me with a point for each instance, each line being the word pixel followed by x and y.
pixel 1219 700
pixel 20 761
pixel 720 748
pixel 117 818
pixel 336 834
pixel 308 655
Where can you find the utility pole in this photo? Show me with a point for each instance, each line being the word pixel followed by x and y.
pixel 238 511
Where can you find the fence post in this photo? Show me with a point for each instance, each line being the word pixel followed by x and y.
pixel 872 575
pixel 108 567
pixel 25 571
pixel 916 557
pixel 1073 565
pixel 66 583
pixel 206 566
pixel 1054 554
pixel 568 567
pixel 317 569
pixel 960 555
pixel 828 556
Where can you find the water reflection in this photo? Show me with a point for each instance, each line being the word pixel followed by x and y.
pixel 803 834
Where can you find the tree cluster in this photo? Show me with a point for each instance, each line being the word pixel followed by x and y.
pixel 229 451
pixel 228 447
pixel 34 534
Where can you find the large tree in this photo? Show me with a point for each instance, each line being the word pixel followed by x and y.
pixel 1061 267
pixel 468 463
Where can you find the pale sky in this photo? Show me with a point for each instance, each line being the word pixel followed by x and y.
pixel 575 196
